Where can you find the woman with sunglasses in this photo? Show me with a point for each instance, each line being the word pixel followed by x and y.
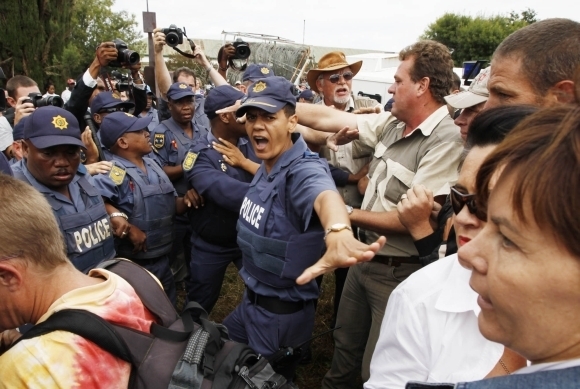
pixel 525 263
pixel 429 332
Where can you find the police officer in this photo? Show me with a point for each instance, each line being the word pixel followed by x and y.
pixel 172 139
pixel 51 163
pixel 140 194
pixel 291 210
pixel 223 187
pixel 253 72
pixel 104 104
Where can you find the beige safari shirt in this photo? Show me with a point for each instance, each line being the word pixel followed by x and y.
pixel 349 160
pixel 429 156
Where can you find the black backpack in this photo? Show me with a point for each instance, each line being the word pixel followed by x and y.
pixel 186 351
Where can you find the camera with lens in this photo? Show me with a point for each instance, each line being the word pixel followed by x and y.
pixel 122 84
pixel 242 49
pixel 173 35
pixel 38 101
pixel 124 56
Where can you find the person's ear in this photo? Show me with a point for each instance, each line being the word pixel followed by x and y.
pixel 10 275
pixel 122 143
pixel 225 117
pixel 563 92
pixel 25 149
pixel 11 102
pixel 423 85
pixel 292 122
pixel 97 118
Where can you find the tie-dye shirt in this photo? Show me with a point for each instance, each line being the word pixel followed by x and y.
pixel 61 359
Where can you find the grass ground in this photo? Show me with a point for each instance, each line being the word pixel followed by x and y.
pixel 308 376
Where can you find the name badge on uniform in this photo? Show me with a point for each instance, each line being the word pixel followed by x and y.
pixel 189 161
pixel 117 175
pixel 159 140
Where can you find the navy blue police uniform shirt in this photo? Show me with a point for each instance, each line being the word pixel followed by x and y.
pixel 96 235
pixel 5 165
pixel 73 205
pixel 223 188
pixel 304 183
pixel 213 178
pixel 122 196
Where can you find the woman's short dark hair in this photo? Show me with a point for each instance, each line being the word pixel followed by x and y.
pixel 492 125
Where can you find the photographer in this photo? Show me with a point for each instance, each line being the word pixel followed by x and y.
pixel 185 75
pixel 91 84
pixel 18 88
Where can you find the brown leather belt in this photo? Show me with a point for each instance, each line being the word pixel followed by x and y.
pixel 395 261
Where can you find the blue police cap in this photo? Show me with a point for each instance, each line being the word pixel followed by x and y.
pixel 221 97
pixel 106 100
pixel 118 123
pixel 52 126
pixel 306 94
pixel 179 90
pixel 256 71
pixel 270 94
pixel 148 90
pixel 18 132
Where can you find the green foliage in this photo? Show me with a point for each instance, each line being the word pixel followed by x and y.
pixel 33 34
pixel 475 38
pixel 56 39
pixel 94 22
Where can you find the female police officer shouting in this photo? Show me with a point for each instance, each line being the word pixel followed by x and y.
pixel 278 232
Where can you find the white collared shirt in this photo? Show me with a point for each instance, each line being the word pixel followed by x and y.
pixel 430 333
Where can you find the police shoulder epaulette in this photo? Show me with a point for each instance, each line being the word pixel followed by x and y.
pixel 311 155
pixel 189 160
pixel 117 174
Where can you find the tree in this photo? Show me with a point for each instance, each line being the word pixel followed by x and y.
pixel 33 33
pixel 94 22
pixel 475 38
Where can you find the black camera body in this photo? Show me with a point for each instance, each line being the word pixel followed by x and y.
pixel 173 35
pixel 123 84
pixel 38 101
pixel 242 49
pixel 124 56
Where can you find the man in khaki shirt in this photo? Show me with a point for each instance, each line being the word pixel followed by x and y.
pixel 415 144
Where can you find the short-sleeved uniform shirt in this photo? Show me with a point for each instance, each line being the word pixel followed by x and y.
pixel 304 183
pixel 122 196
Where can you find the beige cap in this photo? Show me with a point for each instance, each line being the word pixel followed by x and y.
pixel 476 94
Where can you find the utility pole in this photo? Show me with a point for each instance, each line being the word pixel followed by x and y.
pixel 149 24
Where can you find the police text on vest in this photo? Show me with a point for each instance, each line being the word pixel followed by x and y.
pixel 93 234
pixel 251 212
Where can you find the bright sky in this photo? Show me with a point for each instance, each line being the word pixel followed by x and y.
pixel 367 24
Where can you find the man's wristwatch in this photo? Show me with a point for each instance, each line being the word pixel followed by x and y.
pixel 119 214
pixel 349 209
pixel 336 228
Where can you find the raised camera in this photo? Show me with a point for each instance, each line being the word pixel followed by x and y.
pixel 38 101
pixel 124 56
pixel 173 35
pixel 242 49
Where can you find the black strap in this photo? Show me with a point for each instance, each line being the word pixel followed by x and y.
pixel 86 324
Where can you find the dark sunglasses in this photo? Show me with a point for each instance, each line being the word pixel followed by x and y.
pixel 114 109
pixel 459 200
pixel 334 78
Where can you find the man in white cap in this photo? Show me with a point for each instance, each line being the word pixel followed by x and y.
pixel 471 101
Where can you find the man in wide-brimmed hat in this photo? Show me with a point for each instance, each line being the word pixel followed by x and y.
pixel 333 81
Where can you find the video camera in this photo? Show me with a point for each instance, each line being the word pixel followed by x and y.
pixel 38 101
pixel 123 83
pixel 242 49
pixel 173 35
pixel 124 56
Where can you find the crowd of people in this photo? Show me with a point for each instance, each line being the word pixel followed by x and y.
pixel 448 219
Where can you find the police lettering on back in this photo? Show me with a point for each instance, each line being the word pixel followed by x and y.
pixel 95 233
pixel 251 212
